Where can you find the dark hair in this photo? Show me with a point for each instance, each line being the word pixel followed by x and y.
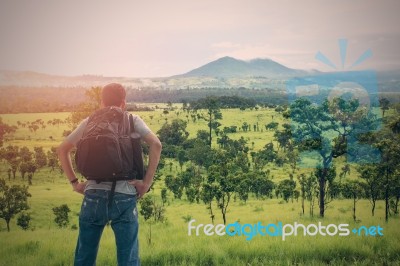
pixel 113 94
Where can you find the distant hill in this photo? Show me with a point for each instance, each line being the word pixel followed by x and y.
pixel 35 79
pixel 230 67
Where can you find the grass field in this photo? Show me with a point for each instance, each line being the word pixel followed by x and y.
pixel 46 244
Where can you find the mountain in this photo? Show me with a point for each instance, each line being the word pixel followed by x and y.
pixel 230 67
pixel 234 73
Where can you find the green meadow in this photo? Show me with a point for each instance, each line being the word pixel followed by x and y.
pixel 168 243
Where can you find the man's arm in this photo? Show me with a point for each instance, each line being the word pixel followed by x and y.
pixel 142 186
pixel 64 155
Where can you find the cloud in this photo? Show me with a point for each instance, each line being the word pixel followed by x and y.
pixel 225 45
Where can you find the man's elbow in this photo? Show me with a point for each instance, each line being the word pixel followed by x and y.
pixel 60 151
pixel 158 145
pixel 63 149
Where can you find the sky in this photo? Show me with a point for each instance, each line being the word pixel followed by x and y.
pixel 151 38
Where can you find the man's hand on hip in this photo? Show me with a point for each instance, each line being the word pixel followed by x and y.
pixel 79 187
pixel 141 187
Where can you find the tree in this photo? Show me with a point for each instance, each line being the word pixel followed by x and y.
pixel 271 126
pixel 395 124
pixel 40 157
pixel 231 129
pixel 146 208
pixel 328 174
pixel 213 113
pixel 279 109
pixel 13 200
pixel 355 190
pixel 182 157
pixel 208 194
pixel 33 128
pixel 191 182
pixel 174 133
pixel 61 213
pixel 335 190
pixel 311 191
pixel 25 154
pixel 84 109
pixel 203 136
pixel 345 170
pixel 395 193
pixel 4 130
pixel 224 193
pixel 150 209
pixel 202 155
pixel 390 151
pixel 343 120
pixel 302 181
pixel 24 220
pixel 11 155
pixel 292 158
pixel 27 163
pixel 164 196
pixel 175 185
pixel 264 156
pixel 234 152
pixel 374 183
pixel 23 169
pixel 261 184
pixel 387 141
pixel 284 137
pixel 243 187
pixel 384 104
pixel 52 159
pixel 286 189
pixel 224 175
pixel 192 194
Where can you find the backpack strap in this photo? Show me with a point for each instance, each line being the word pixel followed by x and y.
pixel 112 192
pixel 131 124
pixel 114 182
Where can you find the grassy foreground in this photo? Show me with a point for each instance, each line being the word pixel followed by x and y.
pixel 171 244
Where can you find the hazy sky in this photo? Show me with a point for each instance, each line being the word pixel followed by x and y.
pixel 150 38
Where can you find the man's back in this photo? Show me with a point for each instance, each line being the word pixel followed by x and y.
pixel 99 204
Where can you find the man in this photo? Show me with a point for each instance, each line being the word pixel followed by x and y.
pixel 95 212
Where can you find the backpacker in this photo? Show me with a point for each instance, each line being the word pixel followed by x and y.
pixel 106 151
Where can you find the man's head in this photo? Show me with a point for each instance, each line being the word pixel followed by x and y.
pixel 113 94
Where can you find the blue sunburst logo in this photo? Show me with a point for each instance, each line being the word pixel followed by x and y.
pixel 343 43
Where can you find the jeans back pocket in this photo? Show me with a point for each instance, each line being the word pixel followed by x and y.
pixel 126 208
pixel 91 209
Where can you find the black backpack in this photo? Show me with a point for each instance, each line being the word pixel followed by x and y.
pixel 106 151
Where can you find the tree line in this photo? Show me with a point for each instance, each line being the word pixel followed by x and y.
pixel 14 99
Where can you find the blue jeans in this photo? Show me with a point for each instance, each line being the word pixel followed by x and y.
pixel 95 214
